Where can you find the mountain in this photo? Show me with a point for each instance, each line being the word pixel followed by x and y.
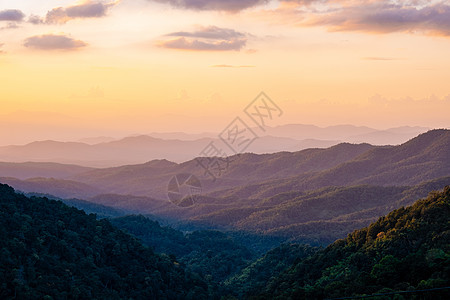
pixel 314 217
pixel 253 278
pixel 423 158
pixel 134 150
pixel 304 131
pixel 337 133
pixel 393 136
pixel 406 250
pixel 208 253
pixel 57 187
pixel 35 169
pixel 151 179
pixel 96 140
pixel 129 150
pixel 182 135
pixel 105 151
pixel 314 195
pixel 52 251
pixel 101 211
pixel 348 133
pixel 130 202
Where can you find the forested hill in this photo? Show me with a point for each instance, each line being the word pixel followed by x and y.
pixel 52 251
pixel 407 250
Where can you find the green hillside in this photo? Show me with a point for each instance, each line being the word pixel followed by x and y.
pixel 407 250
pixel 210 254
pixel 254 277
pixel 52 251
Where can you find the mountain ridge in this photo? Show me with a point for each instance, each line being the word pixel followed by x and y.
pixel 105 151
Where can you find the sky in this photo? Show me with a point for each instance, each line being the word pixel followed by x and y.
pixel 72 69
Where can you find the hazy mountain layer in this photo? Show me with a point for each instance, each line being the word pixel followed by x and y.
pixel 105 151
pixel 315 194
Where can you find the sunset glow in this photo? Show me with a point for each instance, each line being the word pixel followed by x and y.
pixel 123 67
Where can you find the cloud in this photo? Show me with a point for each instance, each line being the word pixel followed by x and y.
pixel 219 5
pixel 10 25
pixel 382 17
pixel 1 50
pixel 33 19
pixel 87 9
pixel 185 44
pixel 11 15
pixel 211 32
pixel 375 16
pixel 210 38
pixel 53 42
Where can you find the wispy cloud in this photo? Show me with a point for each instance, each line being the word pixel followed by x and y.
pixel 210 38
pixel 185 44
pixel 211 32
pixel 386 17
pixel 87 9
pixel 53 42
pixel 372 16
pixel 10 25
pixel 218 5
pixel 33 19
pixel 14 15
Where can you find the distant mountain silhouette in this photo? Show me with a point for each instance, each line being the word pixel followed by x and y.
pixel 348 133
pixel 423 158
pixel 57 187
pixel 254 176
pixel 96 140
pixel 105 151
pixel 129 150
pixel 34 169
pixel 151 179
pixel 136 149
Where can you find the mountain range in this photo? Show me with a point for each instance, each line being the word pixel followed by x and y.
pixel 106 151
pixel 403 255
pixel 52 251
pixel 313 194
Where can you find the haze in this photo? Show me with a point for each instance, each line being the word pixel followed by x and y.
pixel 70 70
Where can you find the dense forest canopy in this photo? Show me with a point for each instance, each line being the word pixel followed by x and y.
pixel 52 251
pixel 409 249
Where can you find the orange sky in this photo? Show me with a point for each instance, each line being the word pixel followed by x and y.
pixel 120 67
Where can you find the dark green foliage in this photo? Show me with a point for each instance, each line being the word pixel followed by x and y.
pixel 215 255
pixel 408 249
pixel 255 277
pixel 211 254
pixel 52 251
pixel 102 211
pixel 161 239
